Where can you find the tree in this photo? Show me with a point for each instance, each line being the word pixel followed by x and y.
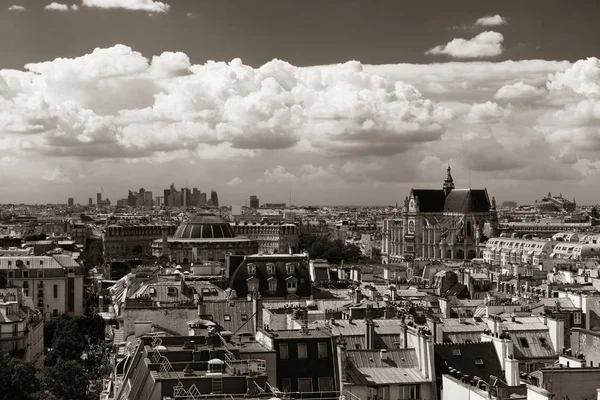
pixel 68 343
pixel 66 380
pixel 17 379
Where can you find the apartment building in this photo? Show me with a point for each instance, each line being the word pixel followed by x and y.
pixel 54 284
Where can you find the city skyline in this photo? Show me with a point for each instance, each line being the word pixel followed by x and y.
pixel 349 104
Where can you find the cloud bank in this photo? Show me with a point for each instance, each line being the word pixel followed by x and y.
pixel 331 130
pixel 486 44
pixel 135 5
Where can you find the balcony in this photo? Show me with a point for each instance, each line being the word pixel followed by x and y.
pixel 12 336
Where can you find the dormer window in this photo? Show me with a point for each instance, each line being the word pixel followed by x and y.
pixel 252 284
pixel 271 269
pixel 172 291
pixel 291 284
pixel 152 292
pixel 251 269
pixel 290 268
pixel 272 285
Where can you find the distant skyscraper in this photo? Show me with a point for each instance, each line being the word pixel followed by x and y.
pixel 166 195
pixel 254 203
pixel 71 202
pixel 91 201
pixel 214 198
pixel 98 198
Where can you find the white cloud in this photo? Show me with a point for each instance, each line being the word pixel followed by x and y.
pixel 16 7
pixel 136 5
pixel 486 112
pixel 278 175
pixel 519 91
pixel 384 125
pixel 486 44
pixel 235 181
pixel 62 175
pixel 583 78
pixel 493 20
pixel 61 7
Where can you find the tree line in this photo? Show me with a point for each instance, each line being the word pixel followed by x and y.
pixel 66 373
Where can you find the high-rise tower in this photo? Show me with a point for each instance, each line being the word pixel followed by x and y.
pixel 448 183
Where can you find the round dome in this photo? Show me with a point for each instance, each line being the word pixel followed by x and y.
pixel 204 226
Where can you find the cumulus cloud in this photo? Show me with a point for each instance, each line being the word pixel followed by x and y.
pixel 116 103
pixel 235 181
pixel 486 112
pixel 61 7
pixel 486 44
pixel 278 174
pixel 519 91
pixel 493 20
pixel 16 7
pixel 136 5
pixel 63 175
pixel 582 78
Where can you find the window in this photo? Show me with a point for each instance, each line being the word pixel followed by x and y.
pixel 40 274
pixel 152 291
pixel 322 349
pixel 55 290
pixel 227 317
pixel 15 329
pixel 172 291
pixel 326 384
pixel 291 284
pixel 55 312
pixel 28 262
pixel 543 342
pixel 9 263
pixel 456 352
pixel 41 262
pixel 244 317
pixel 11 274
pixel 577 318
pixel 302 354
pixel 273 286
pixel 283 351
pixel 289 268
pixel 25 284
pixel 251 269
pixel 271 269
pixel 286 384
pixel 524 342
pixel 479 361
pixel 305 385
pixel 415 392
pixel 25 274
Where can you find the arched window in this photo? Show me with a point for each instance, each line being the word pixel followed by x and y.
pixel 468 228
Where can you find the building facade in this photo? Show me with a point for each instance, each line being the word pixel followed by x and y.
pixel 130 241
pixel 53 283
pixel 272 238
pixel 205 237
pixel 21 328
pixel 442 223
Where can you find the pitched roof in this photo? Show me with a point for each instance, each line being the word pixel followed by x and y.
pixel 532 345
pixel 473 359
pixel 467 201
pixel 430 200
pixel 389 367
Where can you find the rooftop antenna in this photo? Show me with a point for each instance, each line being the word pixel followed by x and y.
pixel 290 198
pixel 469 178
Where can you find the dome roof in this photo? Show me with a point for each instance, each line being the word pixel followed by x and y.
pixel 204 226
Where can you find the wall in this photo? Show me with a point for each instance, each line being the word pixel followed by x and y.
pixel 175 319
pixel 453 389
pixel 587 343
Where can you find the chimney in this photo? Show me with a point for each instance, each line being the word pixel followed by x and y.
pixel 404 336
pixel 358 295
pixel 257 307
pixel 512 371
pixel 369 334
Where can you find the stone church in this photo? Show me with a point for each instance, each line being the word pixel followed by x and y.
pixel 444 223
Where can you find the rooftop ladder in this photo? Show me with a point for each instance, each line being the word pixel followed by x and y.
pixel 217 385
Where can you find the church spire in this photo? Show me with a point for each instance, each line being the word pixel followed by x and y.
pixel 449 182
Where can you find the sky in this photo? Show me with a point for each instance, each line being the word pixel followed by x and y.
pixel 338 102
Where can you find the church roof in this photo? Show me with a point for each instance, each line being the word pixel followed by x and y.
pixel 430 200
pixel 467 201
